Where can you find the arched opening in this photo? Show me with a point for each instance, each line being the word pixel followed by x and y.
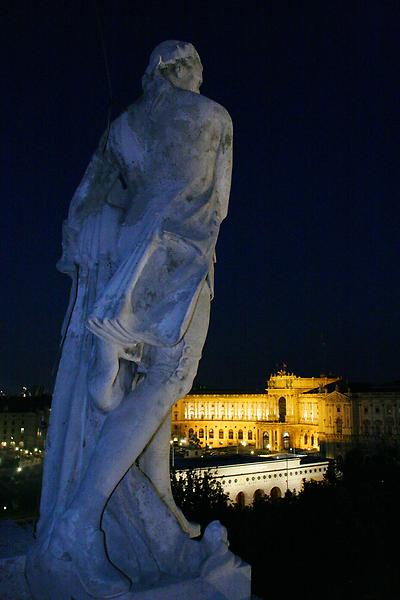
pixel 286 440
pixel 240 434
pixel 305 439
pixel 240 500
pixel 312 440
pixel 258 495
pixel 276 493
pixel 249 435
pixel 221 434
pixel 201 433
pixel 282 409
pixel 265 440
pixel 191 433
pixel 339 426
pixel 211 434
pixel 230 434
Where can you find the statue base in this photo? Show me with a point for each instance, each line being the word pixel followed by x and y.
pixel 54 578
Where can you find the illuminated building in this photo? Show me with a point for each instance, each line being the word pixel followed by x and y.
pixel 23 423
pixel 309 413
pixel 247 478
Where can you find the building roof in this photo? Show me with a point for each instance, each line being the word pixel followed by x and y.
pixel 213 462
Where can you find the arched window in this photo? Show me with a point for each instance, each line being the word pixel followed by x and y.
pixel 282 409
pixel 249 435
pixel 211 434
pixel 265 439
pixel 240 500
pixel 201 433
pixel 221 434
pixel 191 432
pixel 305 439
pixel 312 440
pixel 286 440
pixel 240 434
pixel 258 495
pixel 339 426
pixel 230 434
pixel 276 493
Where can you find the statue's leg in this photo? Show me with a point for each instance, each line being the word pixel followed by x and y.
pixel 103 375
pixel 127 430
pixel 130 427
pixel 154 462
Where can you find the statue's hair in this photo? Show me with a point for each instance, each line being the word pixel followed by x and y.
pixel 164 57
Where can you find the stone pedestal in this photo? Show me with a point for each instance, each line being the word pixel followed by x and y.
pixel 56 580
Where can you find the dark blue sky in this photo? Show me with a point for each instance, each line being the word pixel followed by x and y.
pixel 308 257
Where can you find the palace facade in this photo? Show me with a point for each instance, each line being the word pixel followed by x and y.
pixel 321 414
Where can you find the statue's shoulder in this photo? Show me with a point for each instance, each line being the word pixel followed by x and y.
pixel 211 109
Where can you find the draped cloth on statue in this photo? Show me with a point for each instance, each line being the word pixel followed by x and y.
pixel 146 216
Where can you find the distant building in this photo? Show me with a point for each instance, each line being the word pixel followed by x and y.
pixel 24 422
pixel 321 414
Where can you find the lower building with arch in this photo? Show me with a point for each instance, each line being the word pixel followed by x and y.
pixel 247 479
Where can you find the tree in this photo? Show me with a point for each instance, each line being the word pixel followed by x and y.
pixel 199 494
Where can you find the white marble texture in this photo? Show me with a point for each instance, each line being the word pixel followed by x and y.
pixel 139 245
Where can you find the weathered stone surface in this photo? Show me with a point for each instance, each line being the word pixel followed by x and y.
pixel 15 541
pixel 139 244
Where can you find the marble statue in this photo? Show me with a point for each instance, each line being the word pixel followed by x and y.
pixel 139 245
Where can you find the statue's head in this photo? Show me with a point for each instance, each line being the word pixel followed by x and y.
pixel 178 63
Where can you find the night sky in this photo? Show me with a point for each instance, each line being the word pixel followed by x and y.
pixel 308 257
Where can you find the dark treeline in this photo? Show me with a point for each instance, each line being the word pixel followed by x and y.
pixel 337 538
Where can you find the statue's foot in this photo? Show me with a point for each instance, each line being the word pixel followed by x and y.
pixel 85 548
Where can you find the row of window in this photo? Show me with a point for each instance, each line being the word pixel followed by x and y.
pixel 221 435
pixel 275 475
